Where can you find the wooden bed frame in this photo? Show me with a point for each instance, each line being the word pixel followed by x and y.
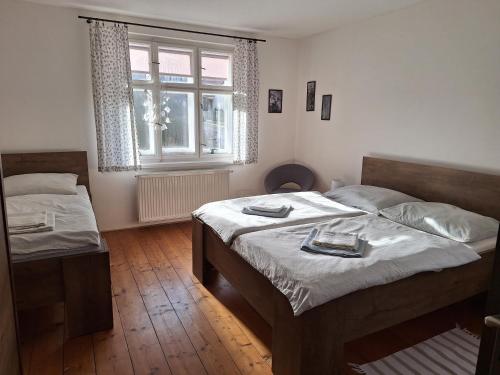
pixel 313 342
pixel 82 282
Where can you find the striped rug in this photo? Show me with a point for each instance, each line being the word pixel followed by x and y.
pixel 453 352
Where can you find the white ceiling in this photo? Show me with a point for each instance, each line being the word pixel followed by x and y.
pixel 286 18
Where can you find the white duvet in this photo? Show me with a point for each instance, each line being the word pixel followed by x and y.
pixel 226 218
pixel 308 280
pixel 75 224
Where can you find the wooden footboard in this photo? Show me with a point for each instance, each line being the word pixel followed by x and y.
pixel 82 282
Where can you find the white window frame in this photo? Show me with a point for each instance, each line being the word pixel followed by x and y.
pixel 159 158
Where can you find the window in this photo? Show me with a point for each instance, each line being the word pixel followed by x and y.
pixel 182 101
pixel 140 61
pixel 215 69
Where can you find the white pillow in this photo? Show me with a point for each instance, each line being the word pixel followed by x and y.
pixel 443 220
pixel 40 183
pixel 369 198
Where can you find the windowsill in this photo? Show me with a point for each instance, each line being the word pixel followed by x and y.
pixel 186 165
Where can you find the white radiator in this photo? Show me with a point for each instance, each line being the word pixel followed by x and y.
pixel 172 196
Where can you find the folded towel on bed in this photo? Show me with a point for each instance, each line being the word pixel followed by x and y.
pixel 49 226
pixel 310 247
pixel 280 214
pixel 27 220
pixel 327 238
pixel 267 207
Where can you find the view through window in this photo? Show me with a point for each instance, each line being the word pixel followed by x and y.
pixel 182 101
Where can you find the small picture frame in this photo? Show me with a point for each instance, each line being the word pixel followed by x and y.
pixel 310 96
pixel 326 107
pixel 275 104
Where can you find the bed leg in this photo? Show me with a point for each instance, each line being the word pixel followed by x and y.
pixel 200 266
pixel 88 298
pixel 305 345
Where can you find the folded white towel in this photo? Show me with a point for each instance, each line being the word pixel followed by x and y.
pixel 48 227
pixel 27 220
pixel 268 207
pixel 332 240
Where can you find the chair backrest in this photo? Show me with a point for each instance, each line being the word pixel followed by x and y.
pixel 283 174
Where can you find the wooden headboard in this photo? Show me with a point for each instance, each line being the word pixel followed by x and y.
pixel 48 162
pixel 472 191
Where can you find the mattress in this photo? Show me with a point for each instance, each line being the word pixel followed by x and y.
pixel 75 224
pixel 394 252
pixel 484 245
pixel 45 254
pixel 227 220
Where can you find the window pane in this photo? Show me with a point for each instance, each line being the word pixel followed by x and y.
pixel 144 118
pixel 177 112
pixel 140 63
pixel 215 69
pixel 217 123
pixel 175 65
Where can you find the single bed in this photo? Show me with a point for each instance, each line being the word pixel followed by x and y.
pixel 312 342
pixel 71 264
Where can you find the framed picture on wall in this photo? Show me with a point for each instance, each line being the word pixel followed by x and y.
pixel 275 104
pixel 311 95
pixel 326 107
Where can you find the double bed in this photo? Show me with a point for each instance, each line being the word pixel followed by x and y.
pixel 69 264
pixel 313 311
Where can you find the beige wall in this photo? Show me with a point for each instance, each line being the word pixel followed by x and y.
pixel 46 102
pixel 420 83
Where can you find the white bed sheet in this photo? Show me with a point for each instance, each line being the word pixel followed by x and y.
pixel 75 224
pixel 309 280
pixel 226 218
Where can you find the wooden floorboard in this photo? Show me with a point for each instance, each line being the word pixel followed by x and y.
pixel 144 348
pixel 79 356
pixel 177 346
pixel 111 352
pixel 209 347
pixel 46 328
pixel 166 322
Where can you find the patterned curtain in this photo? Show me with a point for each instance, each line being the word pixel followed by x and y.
pixel 245 103
pixel 113 98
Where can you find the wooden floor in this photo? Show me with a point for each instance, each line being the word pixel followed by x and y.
pixel 165 322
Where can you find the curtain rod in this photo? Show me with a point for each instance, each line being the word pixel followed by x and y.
pixel 90 19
